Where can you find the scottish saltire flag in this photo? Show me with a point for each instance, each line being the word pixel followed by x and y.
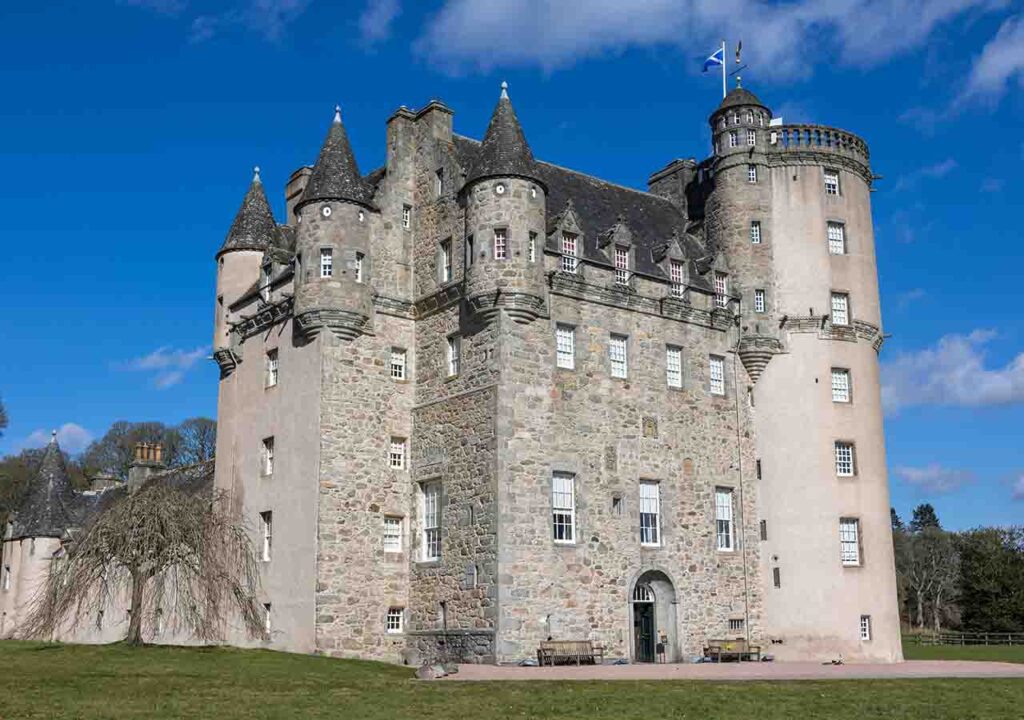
pixel 717 58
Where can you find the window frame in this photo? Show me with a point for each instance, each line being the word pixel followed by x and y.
pixel 402 365
pixel 406 217
pixel 837 240
pixel 721 285
pixel 621 259
pixel 394 621
pixel 674 368
pixel 500 243
pixel 570 249
pixel 326 263
pixel 391 534
pixel 267 456
pixel 359 267
pixel 677 278
pixel 725 527
pixel 843 391
pixel 751 137
pixel 846 315
pixel 755 232
pixel 397 452
pixel 565 346
pixel 734 139
pixel 266 535
pixel 454 355
pixel 445 260
pixel 271 368
pixel 716 381
pixel 652 505
pixel 751 174
pixel 831 188
pixel 760 300
pixel 845 456
pixel 618 362
pixel 865 628
pixel 430 522
pixel 850 553
pixel 533 246
pixel 563 512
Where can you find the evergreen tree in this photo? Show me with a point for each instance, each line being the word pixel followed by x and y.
pixel 924 517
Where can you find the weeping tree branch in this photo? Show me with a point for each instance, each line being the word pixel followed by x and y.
pixel 181 559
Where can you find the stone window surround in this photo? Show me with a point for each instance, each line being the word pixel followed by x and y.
pixel 500 243
pixel 837 390
pixel 652 503
pixel 272 368
pixel 614 339
pixel 422 485
pixel 445 263
pixel 394 621
pixel 563 349
pixel 675 348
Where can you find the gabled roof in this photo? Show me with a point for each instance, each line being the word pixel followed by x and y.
pixel 504 151
pixel 336 174
pixel 254 227
pixel 50 505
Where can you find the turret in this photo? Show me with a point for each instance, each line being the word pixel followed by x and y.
pixel 333 263
pixel 238 264
pixel 505 212
pixel 48 510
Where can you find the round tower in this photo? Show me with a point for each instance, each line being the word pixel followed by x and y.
pixel 238 263
pixel 791 209
pixel 332 246
pixel 505 211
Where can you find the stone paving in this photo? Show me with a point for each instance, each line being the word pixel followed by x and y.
pixel 747 671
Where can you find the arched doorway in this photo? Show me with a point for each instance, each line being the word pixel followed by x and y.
pixel 653 617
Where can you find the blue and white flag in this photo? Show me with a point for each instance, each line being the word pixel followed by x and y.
pixel 716 58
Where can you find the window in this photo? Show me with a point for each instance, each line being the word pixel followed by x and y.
pixel 326 262
pixel 764 530
pixel 776 577
pixel 533 246
pixel 757 468
pixel 271 379
pixel 750 118
pixel 266 530
pixel 723 519
pixel 845 466
pixel 431 521
pixel 268 456
pixel 565 346
pixel 406 216
pixel 621 265
pixel 563 507
pixel 617 356
pixel 734 139
pixel 650 510
pixel 840 309
pixel 674 366
pixel 751 138
pixel 759 301
pixel 755 232
pixel 500 244
pixel 569 259
pixel 840 385
pixel 359 267
pixel 439 181
pixel 398 363
pixel 836 238
pixel 265 273
pixel 676 276
pixel 454 355
pixel 7 577
pixel 393 623
pixel 831 182
pixel 736 624
pixel 716 373
pixel 396 455
pixel 445 261
pixel 721 290
pixel 752 173
pixel 865 627
pixel 392 534
pixel 266 618
pixel 849 541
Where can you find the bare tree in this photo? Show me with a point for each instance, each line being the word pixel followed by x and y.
pixel 197 440
pixel 181 557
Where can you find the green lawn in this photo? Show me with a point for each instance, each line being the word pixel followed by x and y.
pixel 997 653
pixel 55 681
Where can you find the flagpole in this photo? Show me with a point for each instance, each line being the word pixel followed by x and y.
pixel 724 91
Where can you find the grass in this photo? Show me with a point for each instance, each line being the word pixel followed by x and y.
pixel 995 653
pixel 113 681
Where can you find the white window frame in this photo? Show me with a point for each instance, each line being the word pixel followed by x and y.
pixel 430 519
pixel 618 355
pixel 849 542
pixel 752 173
pixel 407 216
pixel 674 366
pixel 266 617
pixel 831 180
pixel 751 138
pixel 840 305
pixel 846 458
pixel 533 246
pixel 271 368
pixel 716 375
pixel 454 355
pixel 755 232
pixel 734 139
pixel 563 508
pixel 836 234
pixel 650 513
pixel 570 252
pixel 266 534
pixel 725 530
pixel 621 265
pixel 398 366
pixel 392 534
pixel 677 277
pixel 396 453
pixel 326 262
pixel 394 621
pixel 265 274
pixel 721 280
pixel 359 267
pixel 268 455
pixel 500 244
pixel 446 260
pixel 565 346
pixel 865 628
pixel 760 301
pixel 841 385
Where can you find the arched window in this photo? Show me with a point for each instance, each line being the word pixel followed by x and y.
pixel 642 593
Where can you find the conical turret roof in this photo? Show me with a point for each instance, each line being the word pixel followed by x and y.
pixel 740 96
pixel 254 227
pixel 48 509
pixel 504 151
pixel 336 174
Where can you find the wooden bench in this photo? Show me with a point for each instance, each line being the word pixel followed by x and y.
pixel 726 650
pixel 554 652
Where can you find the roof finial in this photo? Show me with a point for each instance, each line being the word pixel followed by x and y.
pixel 256 174
pixel 738 83
pixel 337 113
pixel 53 437
pixel 504 90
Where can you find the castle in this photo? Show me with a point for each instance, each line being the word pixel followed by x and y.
pixel 473 400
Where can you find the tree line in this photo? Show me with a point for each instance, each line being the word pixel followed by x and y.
pixel 971 580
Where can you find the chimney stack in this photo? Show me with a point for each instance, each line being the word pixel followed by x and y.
pixel 149 458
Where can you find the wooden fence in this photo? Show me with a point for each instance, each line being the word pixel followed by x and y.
pixel 958 638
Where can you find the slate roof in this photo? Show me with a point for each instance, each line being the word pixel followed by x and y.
pixel 50 506
pixel 336 174
pixel 254 227
pixel 740 96
pixel 504 151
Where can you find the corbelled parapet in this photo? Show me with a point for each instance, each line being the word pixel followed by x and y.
pixel 756 352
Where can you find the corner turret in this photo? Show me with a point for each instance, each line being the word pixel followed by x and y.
pixel 49 506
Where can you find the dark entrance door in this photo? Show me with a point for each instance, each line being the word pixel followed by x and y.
pixel 643 631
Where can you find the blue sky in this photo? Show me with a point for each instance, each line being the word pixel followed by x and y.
pixel 128 130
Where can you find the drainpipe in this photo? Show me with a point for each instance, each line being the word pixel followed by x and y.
pixel 739 469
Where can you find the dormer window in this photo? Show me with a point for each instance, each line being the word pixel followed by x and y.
pixel 326 262
pixel 621 265
pixel 570 262
pixel 675 270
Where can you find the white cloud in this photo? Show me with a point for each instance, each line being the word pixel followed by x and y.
pixel 1018 489
pixel 376 21
pixel 73 438
pixel 168 366
pixel 1000 63
pixel 904 299
pixel 269 18
pixel 934 478
pixel 482 34
pixel 931 172
pixel 952 373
